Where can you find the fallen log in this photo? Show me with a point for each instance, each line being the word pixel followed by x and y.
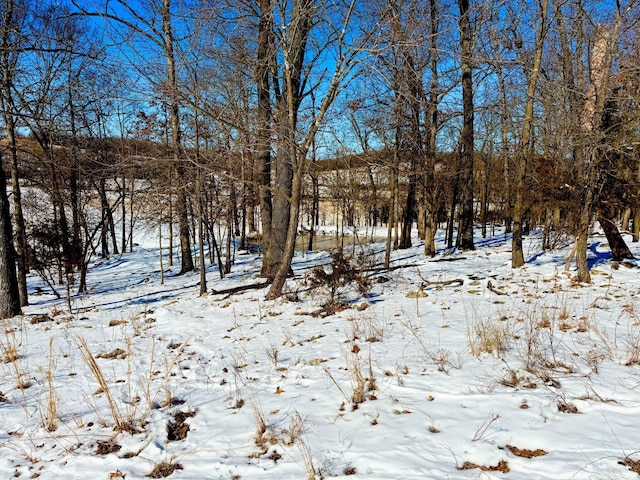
pixel 241 288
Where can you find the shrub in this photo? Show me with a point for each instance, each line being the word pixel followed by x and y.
pixel 343 273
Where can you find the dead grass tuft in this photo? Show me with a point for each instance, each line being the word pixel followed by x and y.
pixel 525 453
pixel 117 353
pixel 40 319
pixel 488 336
pixel 631 464
pixel 566 407
pixel 502 466
pixel 105 447
pixel 164 469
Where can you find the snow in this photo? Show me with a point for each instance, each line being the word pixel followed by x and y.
pixel 508 358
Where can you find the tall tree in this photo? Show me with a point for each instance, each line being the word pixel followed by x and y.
pixel 145 25
pixel 525 146
pixel 467 145
pixel 293 146
pixel 263 70
pixel 430 189
pixel 10 45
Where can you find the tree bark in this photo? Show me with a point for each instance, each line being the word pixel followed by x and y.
pixel 416 144
pixel 176 139
pixel 9 293
pixel 467 135
pixel 525 147
pixel 618 246
pixel 10 28
pixel 263 67
pixel 430 189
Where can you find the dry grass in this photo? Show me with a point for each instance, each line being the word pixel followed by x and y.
pixel 164 469
pixel 264 435
pixel 484 427
pixel 295 431
pixel 502 466
pixel 358 382
pixel 90 360
pixel 525 453
pixel 11 355
pixel 50 411
pixel 169 365
pixel 491 336
pixel 631 464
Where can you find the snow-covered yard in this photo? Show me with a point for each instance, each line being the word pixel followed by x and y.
pixel 462 367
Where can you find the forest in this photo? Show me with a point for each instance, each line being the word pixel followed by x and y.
pixel 300 239
pixel 249 121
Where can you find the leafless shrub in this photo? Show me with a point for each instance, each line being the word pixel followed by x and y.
pixel 482 430
pixel 343 273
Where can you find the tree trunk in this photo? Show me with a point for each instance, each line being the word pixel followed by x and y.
pixel 467 135
pixel 290 159
pixel 263 67
pixel 618 246
pixel 176 139
pixel 591 125
pixel 525 147
pixel 200 210
pixel 315 209
pixel 160 247
pixel 10 28
pixel 484 194
pixel 416 145
pixel 582 238
pixel 104 205
pixel 393 185
pixel 123 234
pixel 626 219
pixel 20 228
pixel 452 213
pixel 430 190
pixel 302 16
pixel 9 292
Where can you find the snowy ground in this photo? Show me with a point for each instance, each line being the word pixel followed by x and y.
pixel 503 374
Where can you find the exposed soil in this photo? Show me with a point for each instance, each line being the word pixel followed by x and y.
pixel 40 319
pixel 117 353
pixel 106 447
pixel 502 466
pixel 523 452
pixel 164 469
pixel 178 429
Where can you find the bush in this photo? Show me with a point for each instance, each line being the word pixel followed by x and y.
pixel 343 272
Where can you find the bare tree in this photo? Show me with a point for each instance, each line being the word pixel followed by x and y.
pixel 161 37
pixel 11 46
pixel 525 145
pixel 592 150
pixel 293 152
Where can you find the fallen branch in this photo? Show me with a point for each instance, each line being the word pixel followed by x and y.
pixel 440 283
pixel 241 288
pixel 493 289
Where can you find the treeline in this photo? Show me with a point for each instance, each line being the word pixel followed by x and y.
pixel 223 116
